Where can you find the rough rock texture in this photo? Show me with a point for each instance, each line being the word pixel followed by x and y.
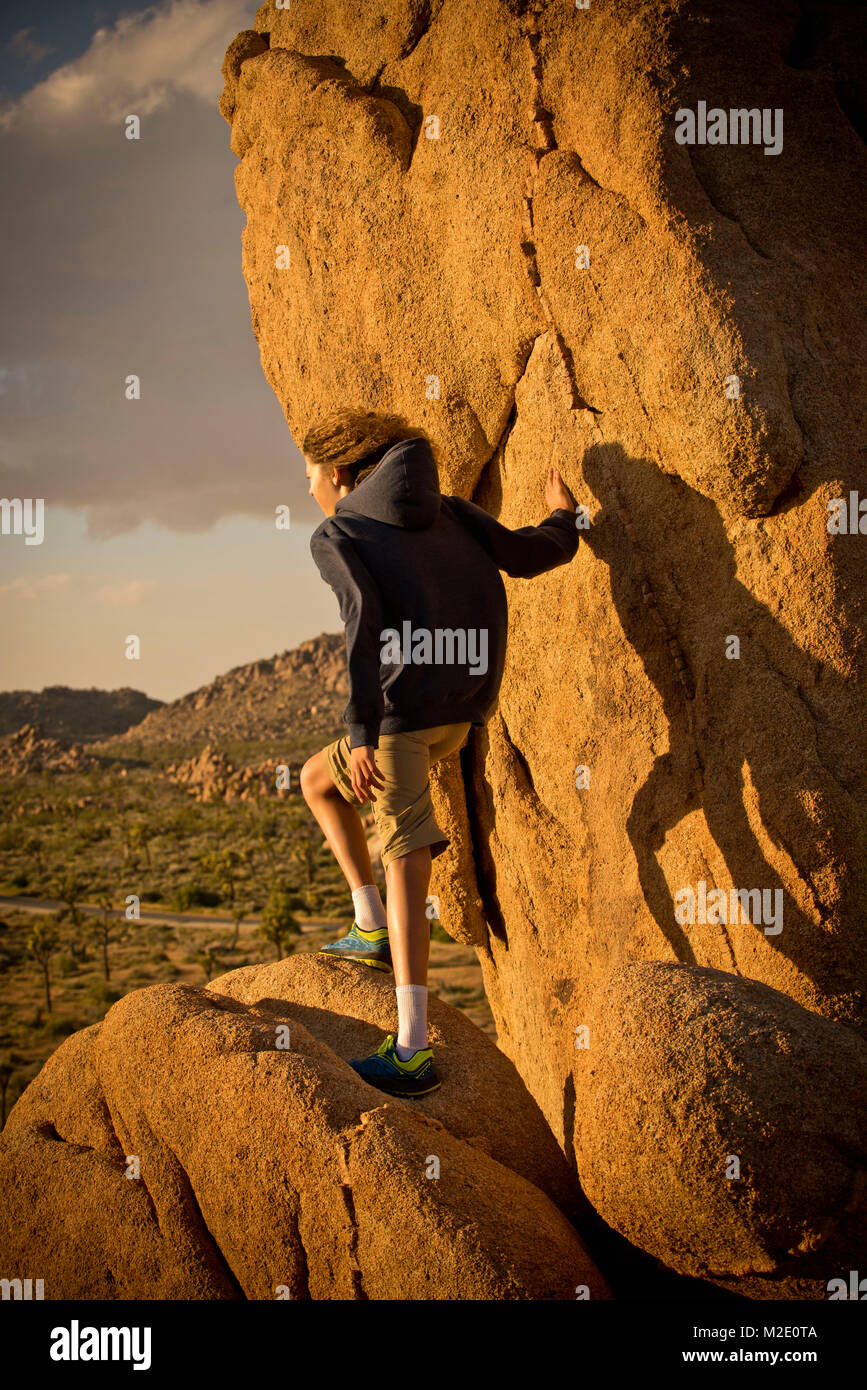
pixel 268 1171
pixel 212 776
pixel 444 278
pixel 30 750
pixel 689 1068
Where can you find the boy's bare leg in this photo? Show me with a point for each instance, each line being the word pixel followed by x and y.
pixel 407 881
pixel 340 822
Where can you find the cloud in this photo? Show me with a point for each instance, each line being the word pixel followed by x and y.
pixel 123 256
pixel 125 595
pixel 138 65
pixel 35 588
pixel 28 49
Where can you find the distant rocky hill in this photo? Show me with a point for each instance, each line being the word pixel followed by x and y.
pixel 30 750
pixel 303 689
pixel 80 715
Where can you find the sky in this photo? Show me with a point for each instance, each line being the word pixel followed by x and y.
pixel 122 257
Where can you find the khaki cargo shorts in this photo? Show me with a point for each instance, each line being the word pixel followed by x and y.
pixel 403 811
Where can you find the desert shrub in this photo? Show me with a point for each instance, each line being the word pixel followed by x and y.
pixel 191 895
pixel 102 995
pixel 57 1027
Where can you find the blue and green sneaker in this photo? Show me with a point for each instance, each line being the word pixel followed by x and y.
pixel 417 1076
pixel 369 946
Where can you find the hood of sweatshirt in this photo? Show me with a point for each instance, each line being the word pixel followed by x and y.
pixel 403 489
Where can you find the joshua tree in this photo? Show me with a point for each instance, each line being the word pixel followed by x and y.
pixel 34 845
pixel 266 830
pixel 305 846
pixel 131 845
pixel 70 893
pixel 208 960
pixel 102 928
pixel 42 942
pixel 278 920
pixel 239 909
pixel 140 836
pixel 228 868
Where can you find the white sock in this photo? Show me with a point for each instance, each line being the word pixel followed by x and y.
pixel 412 1019
pixel 369 911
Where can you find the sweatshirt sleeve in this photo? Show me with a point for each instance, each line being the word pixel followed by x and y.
pixel 528 551
pixel 361 612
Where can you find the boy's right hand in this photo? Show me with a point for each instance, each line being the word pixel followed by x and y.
pixel 364 772
pixel 557 493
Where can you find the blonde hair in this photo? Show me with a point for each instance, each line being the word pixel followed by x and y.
pixel 345 438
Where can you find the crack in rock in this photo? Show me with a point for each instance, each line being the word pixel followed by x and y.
pixel 349 1205
pixel 546 142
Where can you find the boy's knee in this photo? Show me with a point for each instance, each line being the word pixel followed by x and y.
pixel 311 779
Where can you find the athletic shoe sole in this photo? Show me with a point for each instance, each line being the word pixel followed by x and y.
pixel 405 1095
pixel 363 960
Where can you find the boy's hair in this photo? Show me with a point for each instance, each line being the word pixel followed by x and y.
pixel 345 438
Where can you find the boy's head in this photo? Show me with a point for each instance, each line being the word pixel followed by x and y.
pixel 335 450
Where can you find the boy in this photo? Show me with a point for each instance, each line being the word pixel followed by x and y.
pixel 417 576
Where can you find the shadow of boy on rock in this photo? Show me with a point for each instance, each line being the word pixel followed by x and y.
pixel 773 711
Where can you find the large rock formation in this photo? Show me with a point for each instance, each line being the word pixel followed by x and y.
pixel 744 1118
pixel 479 215
pixel 212 776
pixel 215 1144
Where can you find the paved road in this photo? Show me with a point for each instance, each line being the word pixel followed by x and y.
pixel 172 919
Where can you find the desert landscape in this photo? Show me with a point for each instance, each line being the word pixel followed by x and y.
pixel 228 869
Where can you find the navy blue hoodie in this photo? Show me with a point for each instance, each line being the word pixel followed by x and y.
pixel 417 577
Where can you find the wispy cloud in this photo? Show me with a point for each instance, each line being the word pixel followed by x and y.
pixel 136 66
pixel 125 595
pixel 29 50
pixel 145 279
pixel 35 588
